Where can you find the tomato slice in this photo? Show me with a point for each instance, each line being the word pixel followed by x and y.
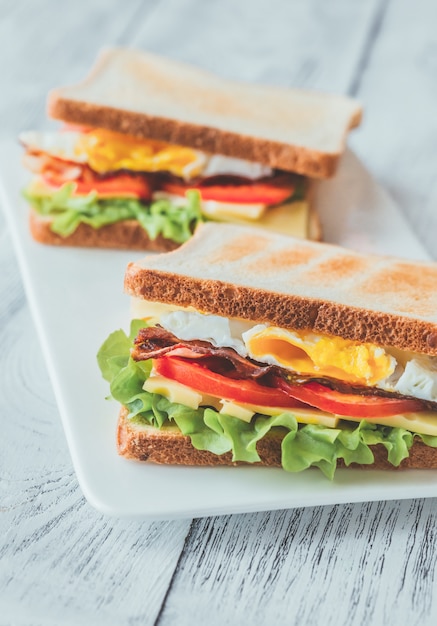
pixel 245 193
pixel 283 394
pixel 120 185
pixel 350 404
pixel 203 380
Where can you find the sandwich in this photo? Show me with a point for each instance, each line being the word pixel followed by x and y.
pixel 148 148
pixel 252 347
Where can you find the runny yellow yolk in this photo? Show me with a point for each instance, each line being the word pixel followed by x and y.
pixel 108 151
pixel 308 353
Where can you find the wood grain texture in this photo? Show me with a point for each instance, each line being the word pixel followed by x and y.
pixel 398 89
pixel 46 43
pixel 63 563
pixel 310 566
pixel 295 43
pixel 60 561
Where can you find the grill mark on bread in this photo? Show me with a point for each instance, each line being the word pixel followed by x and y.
pixel 287 298
pixel 341 267
pixel 280 261
pixel 417 287
pixel 403 277
pixel 239 248
pixel 291 312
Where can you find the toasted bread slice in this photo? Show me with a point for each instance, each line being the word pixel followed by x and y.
pixel 123 235
pixel 169 446
pixel 293 283
pixel 149 96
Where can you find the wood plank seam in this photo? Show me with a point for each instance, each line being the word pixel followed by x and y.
pixel 372 36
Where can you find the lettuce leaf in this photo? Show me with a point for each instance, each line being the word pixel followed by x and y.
pixel 302 446
pixel 161 217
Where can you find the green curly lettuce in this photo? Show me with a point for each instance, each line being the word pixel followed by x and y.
pixel 160 217
pixel 303 446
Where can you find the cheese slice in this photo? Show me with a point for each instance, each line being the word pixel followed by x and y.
pixel 224 210
pixel 178 393
pixel 304 416
pixel 173 391
pixel 291 219
pixel 423 422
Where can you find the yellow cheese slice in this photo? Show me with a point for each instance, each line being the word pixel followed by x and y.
pixel 242 412
pixel 173 391
pixel 224 210
pixel 178 393
pixel 304 416
pixel 291 218
pixel 423 422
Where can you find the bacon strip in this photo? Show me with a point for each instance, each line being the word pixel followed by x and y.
pixel 154 342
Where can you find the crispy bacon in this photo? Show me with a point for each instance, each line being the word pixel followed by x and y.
pixel 155 341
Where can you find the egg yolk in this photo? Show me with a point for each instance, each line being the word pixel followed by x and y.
pixel 108 151
pixel 308 353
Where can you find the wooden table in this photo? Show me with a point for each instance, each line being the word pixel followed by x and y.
pixel 61 562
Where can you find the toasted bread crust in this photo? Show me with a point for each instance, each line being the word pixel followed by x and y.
pixel 261 306
pixel 169 447
pixel 124 235
pixel 146 95
pixel 267 278
pixel 297 159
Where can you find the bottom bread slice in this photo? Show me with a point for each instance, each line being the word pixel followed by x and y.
pixel 127 234
pixel 169 446
pixel 123 235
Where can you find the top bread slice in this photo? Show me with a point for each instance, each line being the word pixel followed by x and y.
pixel 146 95
pixel 292 283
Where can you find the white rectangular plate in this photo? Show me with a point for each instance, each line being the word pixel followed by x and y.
pixel 82 291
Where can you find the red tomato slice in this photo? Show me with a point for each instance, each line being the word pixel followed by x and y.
pixel 120 185
pixel 285 395
pixel 205 381
pixel 350 404
pixel 245 193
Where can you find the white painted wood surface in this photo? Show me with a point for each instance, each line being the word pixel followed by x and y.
pixel 61 562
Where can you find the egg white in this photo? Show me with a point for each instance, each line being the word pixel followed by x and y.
pixel 416 377
pixel 65 145
pixel 62 145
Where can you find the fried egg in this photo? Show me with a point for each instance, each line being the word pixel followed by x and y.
pixel 220 331
pixel 219 164
pixel 303 352
pixel 64 146
pixel 306 352
pixel 417 379
pixel 107 151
